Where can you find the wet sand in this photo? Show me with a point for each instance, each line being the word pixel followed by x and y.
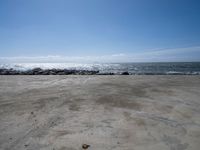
pixel 106 112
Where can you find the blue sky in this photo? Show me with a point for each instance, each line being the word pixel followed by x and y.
pixel 100 30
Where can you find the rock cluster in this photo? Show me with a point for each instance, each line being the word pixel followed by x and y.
pixel 39 71
pixel 125 73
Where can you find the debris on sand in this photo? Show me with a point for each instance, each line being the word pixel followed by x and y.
pixel 85 146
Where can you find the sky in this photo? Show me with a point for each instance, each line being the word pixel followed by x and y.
pixel 99 30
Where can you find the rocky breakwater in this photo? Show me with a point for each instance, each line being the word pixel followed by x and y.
pixel 39 71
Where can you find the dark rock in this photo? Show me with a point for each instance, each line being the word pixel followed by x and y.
pixel 3 71
pixel 51 72
pixel 125 73
pixel 36 69
pixel 28 72
pixel 110 73
pixel 61 73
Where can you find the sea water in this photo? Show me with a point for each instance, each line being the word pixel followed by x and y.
pixel 164 68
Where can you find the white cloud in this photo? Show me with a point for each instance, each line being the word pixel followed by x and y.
pixel 118 55
pixel 174 54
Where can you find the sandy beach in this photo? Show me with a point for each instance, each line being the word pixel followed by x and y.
pixel 106 112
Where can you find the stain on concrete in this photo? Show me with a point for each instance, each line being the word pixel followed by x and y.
pixel 120 102
pixel 174 143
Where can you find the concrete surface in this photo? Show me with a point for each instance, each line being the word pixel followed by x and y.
pixel 106 112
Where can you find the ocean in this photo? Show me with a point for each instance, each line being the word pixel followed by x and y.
pixel 157 68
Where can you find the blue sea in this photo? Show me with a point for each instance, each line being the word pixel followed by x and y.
pixel 164 68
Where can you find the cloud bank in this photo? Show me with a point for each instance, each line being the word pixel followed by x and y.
pixel 159 55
